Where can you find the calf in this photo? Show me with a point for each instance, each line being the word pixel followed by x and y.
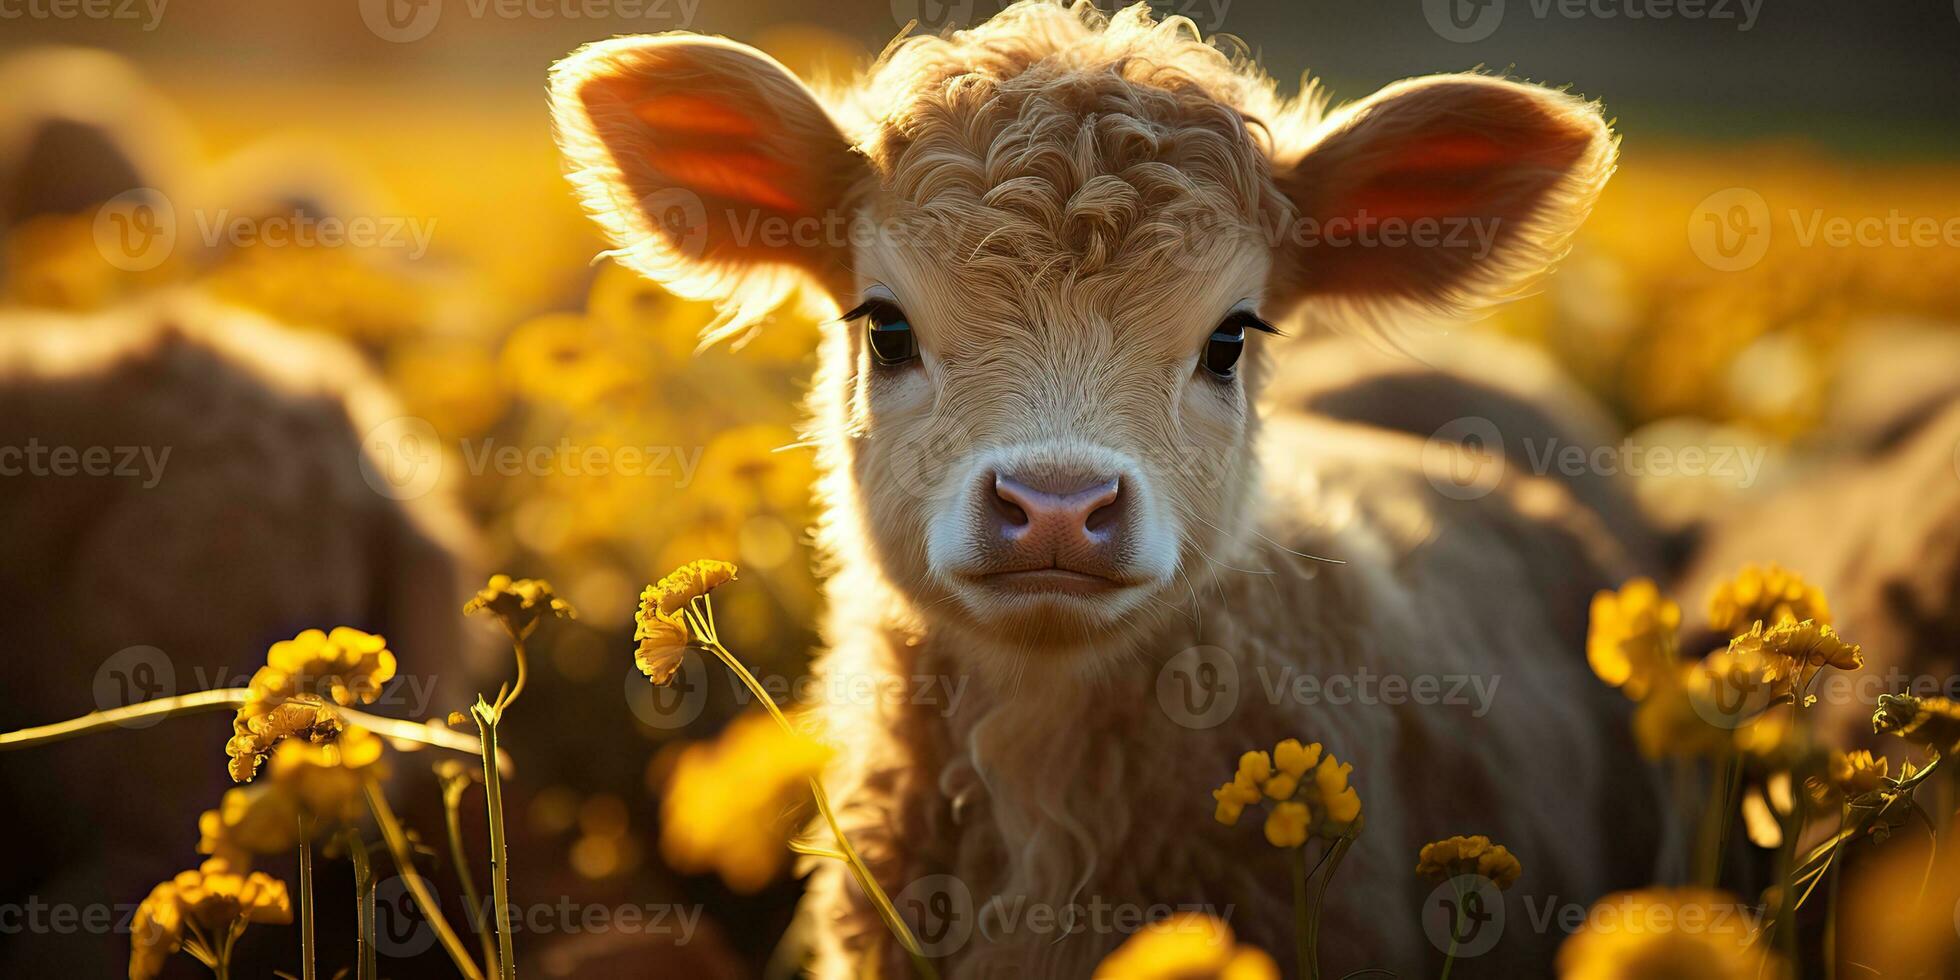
pixel 1062 237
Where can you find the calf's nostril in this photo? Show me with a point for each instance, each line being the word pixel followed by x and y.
pixel 1008 501
pixel 1107 510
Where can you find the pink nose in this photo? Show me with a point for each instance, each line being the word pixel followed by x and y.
pixel 1067 521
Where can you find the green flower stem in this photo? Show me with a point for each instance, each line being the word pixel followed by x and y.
pixel 1302 922
pixel 307 953
pixel 1333 864
pixel 493 793
pixel 701 622
pixel 452 806
pixel 230 699
pixel 1456 928
pixel 397 842
pixel 363 906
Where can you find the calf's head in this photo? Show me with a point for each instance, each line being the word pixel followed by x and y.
pixel 1061 238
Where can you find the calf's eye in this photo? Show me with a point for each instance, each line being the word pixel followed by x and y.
pixel 1227 343
pixel 887 331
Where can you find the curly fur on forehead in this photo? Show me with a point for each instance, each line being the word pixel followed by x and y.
pixel 1071 142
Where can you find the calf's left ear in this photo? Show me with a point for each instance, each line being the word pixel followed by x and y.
pixel 1438 197
pixel 706 162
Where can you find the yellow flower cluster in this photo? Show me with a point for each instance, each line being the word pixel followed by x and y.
pixel 1187 946
pixel 1700 707
pixel 1445 859
pixel 1930 721
pixel 289 694
pixel 1630 642
pixel 518 603
pixel 1768 594
pixel 660 627
pixel 727 802
pixel 1307 786
pixel 321 781
pixel 202 911
pixel 1849 775
pixel 1667 934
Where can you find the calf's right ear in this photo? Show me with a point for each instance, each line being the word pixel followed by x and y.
pixel 699 157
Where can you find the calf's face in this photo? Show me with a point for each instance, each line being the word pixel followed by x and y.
pixel 1060 242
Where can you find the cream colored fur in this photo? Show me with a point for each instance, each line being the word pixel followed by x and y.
pixel 1085 198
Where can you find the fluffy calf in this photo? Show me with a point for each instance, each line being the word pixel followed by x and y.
pixel 1062 237
pixel 181 484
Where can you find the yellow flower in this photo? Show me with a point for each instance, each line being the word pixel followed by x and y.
pixel 519 603
pixel 1805 644
pixel 1445 859
pixel 1849 775
pixel 1187 946
pixel 219 898
pixel 1295 759
pixel 689 582
pixel 1310 785
pixel 156 933
pixel 1286 826
pixel 288 696
pixel 261 725
pixel 1666 934
pixel 327 779
pixel 1340 805
pixel 663 639
pixel 727 801
pixel 1928 721
pixel 322 781
pixel 346 665
pixel 1630 639
pixel 1256 766
pixel 217 901
pixel 1769 594
pixel 1233 798
pixel 660 627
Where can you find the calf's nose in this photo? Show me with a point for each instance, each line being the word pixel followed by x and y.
pixel 1057 517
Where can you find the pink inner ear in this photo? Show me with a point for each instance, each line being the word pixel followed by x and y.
pixel 1455 175
pixel 1473 158
pixel 705 143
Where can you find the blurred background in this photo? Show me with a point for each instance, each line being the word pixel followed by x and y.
pixel 1705 303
